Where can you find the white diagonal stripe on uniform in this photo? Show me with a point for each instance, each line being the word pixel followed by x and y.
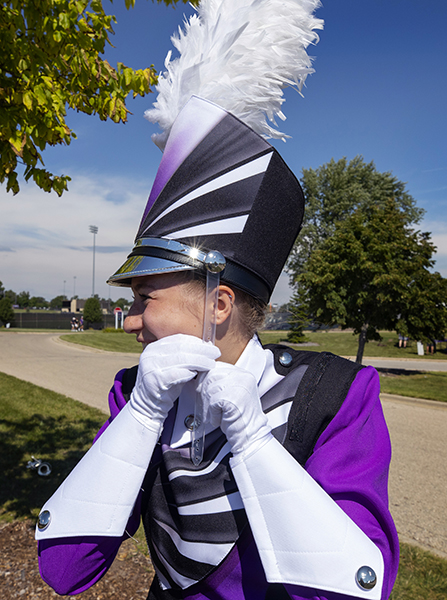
pixel 211 554
pixel 185 473
pixel 217 505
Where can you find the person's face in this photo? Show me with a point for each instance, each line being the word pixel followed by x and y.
pixel 162 306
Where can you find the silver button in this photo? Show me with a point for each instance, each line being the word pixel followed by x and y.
pixel 285 358
pixel 366 578
pixel 44 520
pixel 190 422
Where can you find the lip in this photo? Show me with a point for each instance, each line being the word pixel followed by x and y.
pixel 144 342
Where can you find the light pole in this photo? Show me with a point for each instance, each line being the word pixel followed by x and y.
pixel 74 286
pixel 94 230
pixel 64 287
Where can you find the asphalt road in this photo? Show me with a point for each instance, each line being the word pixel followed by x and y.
pixel 418 478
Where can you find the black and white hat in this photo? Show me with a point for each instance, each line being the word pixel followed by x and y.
pixel 220 185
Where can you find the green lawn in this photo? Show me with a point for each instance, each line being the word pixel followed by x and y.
pixel 422 576
pixel 112 341
pixel 343 343
pixel 429 385
pixel 36 421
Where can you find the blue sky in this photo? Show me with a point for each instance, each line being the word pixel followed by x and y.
pixel 379 90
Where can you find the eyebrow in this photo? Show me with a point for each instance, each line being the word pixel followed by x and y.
pixel 144 286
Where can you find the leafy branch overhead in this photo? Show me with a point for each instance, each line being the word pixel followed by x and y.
pixel 52 59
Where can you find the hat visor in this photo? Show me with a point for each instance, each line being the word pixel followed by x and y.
pixel 141 266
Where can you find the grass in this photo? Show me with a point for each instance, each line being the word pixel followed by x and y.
pixel 429 385
pixel 39 422
pixel 422 576
pixel 343 343
pixel 105 340
pixel 36 421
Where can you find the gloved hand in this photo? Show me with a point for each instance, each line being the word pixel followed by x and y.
pixel 231 398
pixel 165 366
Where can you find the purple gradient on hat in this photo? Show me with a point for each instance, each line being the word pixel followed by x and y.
pixel 193 124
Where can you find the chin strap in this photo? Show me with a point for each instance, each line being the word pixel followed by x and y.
pixel 302 535
pixel 98 496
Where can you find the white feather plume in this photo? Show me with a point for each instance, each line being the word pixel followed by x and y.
pixel 239 54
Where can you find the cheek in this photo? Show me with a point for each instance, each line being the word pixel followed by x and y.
pixel 188 318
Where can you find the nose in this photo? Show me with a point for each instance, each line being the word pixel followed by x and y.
pixel 133 323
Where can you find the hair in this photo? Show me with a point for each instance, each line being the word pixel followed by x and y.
pixel 251 310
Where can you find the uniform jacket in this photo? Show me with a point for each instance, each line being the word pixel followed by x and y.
pixel 324 410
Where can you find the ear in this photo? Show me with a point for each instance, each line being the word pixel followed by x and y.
pixel 225 304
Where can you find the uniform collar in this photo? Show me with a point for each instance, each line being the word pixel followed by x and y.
pixel 252 359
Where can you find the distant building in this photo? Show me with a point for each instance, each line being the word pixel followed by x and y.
pixel 77 305
pixel 277 320
pixel 66 306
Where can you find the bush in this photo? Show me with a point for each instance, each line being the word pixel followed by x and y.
pixel 296 337
pixel 6 311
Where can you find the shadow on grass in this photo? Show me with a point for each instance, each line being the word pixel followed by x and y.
pixel 60 441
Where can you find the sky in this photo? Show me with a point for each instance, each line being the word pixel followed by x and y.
pixel 379 90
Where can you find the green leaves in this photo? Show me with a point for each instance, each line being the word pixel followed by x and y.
pixel 52 58
pixel 337 189
pixel 372 273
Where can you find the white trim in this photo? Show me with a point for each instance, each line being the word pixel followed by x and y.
pixel 220 227
pixel 279 415
pixel 309 541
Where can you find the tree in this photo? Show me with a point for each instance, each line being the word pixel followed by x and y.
pixel 6 311
pixel 92 311
pixel 335 191
pixel 297 321
pixel 51 59
pixel 424 314
pixel 38 302
pixel 11 295
pixel 122 303
pixel 23 299
pixel 367 274
pixel 56 303
pixel 2 290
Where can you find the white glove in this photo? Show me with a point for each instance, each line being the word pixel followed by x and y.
pixel 231 397
pixel 165 366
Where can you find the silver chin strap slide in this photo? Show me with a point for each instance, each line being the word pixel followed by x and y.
pixel 214 264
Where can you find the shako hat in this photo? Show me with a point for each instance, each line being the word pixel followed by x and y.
pixel 220 185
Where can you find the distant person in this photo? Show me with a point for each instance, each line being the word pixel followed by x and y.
pixel 402 341
pixel 74 324
pixel 81 324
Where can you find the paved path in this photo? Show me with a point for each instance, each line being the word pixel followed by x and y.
pixel 79 372
pixel 418 482
pixel 409 364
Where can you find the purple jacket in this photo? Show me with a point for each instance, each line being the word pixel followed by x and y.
pixel 350 461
